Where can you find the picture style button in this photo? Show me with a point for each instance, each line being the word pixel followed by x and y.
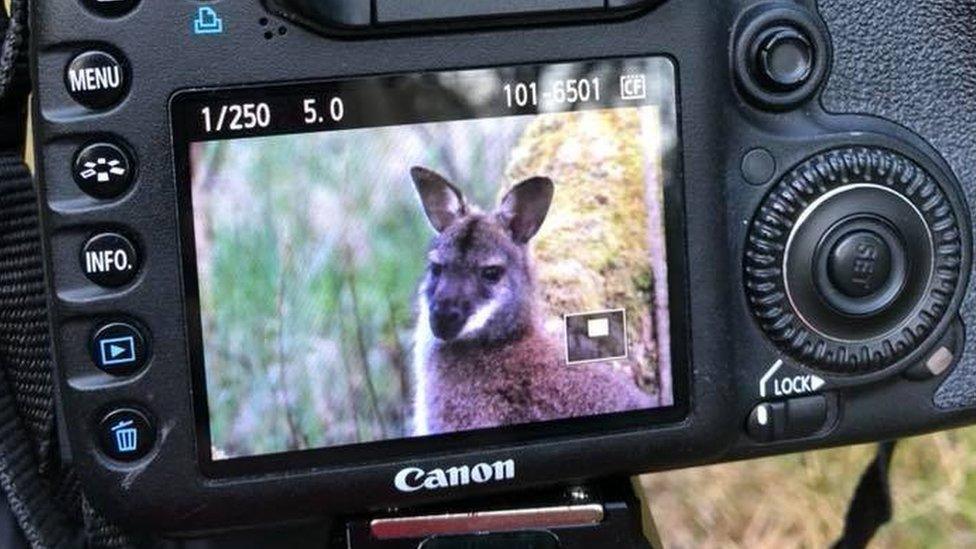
pixel 102 170
pixel 126 434
pixel 110 260
pixel 118 349
pixel 110 8
pixel 596 336
pixel 96 79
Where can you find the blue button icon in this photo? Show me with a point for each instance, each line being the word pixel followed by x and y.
pixel 118 350
pixel 126 436
pixel 207 21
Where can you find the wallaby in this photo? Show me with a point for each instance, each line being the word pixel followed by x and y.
pixel 482 356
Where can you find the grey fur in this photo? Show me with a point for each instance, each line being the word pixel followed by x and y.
pixel 482 356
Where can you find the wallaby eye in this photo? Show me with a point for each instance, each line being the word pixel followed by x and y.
pixel 492 274
pixel 436 269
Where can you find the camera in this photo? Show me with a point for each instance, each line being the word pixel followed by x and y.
pixel 342 256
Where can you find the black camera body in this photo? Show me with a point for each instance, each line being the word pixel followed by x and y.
pixel 818 229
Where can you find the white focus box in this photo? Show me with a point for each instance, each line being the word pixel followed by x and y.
pixel 598 327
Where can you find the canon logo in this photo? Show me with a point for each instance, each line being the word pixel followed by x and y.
pixel 411 479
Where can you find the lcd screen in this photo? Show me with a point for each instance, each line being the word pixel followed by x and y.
pixel 432 255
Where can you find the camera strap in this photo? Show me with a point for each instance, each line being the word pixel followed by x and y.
pixel 44 497
pixel 870 507
pixel 26 412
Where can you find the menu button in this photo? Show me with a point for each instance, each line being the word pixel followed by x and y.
pixel 96 79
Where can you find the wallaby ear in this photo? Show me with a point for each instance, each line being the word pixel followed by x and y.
pixel 443 203
pixel 524 208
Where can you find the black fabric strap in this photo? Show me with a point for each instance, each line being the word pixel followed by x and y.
pixel 870 507
pixel 23 312
pixel 29 496
pixel 13 51
pixel 26 411
pixel 22 349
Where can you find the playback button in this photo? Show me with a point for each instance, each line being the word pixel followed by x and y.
pixel 118 349
pixel 110 260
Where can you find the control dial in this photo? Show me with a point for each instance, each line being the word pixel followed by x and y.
pixel 853 260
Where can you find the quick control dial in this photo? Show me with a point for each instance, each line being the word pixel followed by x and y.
pixel 853 260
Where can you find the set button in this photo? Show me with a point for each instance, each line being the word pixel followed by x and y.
pixel 110 260
pixel 859 263
pixel 119 349
pixel 126 434
pixel 97 79
pixel 102 170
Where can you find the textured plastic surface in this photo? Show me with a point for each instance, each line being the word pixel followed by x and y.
pixel 914 63
pixel 731 359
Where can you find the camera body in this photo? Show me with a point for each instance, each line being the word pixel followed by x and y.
pixel 818 233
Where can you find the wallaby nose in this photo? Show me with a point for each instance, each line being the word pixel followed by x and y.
pixel 447 319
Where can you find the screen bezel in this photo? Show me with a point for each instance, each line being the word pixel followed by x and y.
pixel 382 451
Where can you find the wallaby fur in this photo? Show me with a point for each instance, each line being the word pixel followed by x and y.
pixel 482 357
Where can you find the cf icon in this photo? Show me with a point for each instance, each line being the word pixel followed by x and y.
pixel 633 87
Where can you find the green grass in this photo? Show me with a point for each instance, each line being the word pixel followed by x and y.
pixel 799 500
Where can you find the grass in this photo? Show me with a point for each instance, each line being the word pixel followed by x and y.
pixel 799 500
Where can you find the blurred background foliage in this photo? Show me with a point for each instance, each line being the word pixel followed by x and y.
pixel 310 249
pixel 799 500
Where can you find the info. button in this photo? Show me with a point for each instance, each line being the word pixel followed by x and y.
pixel 110 260
pixel 96 79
